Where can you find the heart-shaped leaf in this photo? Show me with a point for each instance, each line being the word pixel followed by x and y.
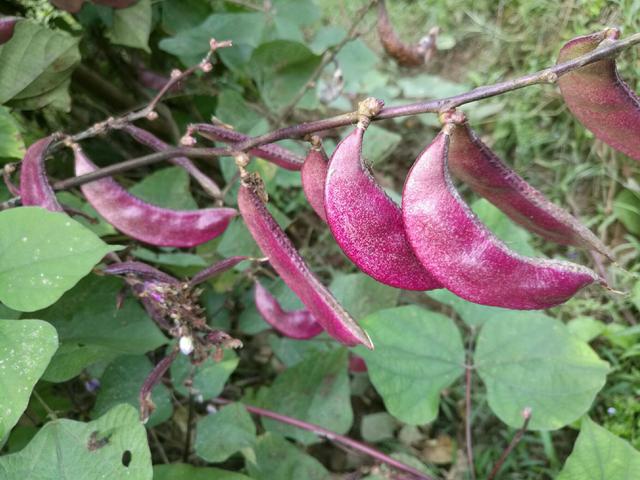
pixel 225 432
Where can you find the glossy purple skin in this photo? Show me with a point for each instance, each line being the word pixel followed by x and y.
pixel 367 224
pixel 293 270
pixel 149 223
pixel 271 152
pixel 7 25
pixel 216 269
pixel 465 256
pixel 599 98
pixel 141 270
pixel 314 175
pixel 476 165
pixel 35 188
pixel 151 141
pixel 298 324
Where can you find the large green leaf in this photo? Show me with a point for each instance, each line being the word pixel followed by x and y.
pixel 11 143
pixel 92 328
pixel 417 354
pixel 183 471
pixel 132 26
pixel 627 209
pixel 281 68
pixel 36 64
pixel 361 295
pixel 315 390
pixel 26 346
pixel 275 458
pixel 209 378
pixel 168 188
pixel 42 255
pixel 599 455
pixel 221 434
pixel 113 446
pixel 537 363
pixel 121 383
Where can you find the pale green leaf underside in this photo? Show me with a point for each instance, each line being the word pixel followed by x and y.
pixel 219 435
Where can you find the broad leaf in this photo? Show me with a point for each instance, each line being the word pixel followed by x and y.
pixel 42 255
pixel 132 25
pixel 599 455
pixel 168 188
pixel 26 346
pixel 11 143
pixel 114 446
pixel 92 328
pixel 291 352
pixel 379 145
pixel 121 383
pixel 36 64
pixel 315 390
pixel 537 363
pixel 221 434
pixel 362 295
pixel 183 471
pixel 627 209
pixel 209 378
pixel 274 457
pixel 418 353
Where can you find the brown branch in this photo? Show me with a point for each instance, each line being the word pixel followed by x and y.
pixel 526 413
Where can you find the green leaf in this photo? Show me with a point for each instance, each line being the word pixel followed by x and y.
pixel 379 145
pixel 627 209
pixel 274 457
pixel 100 228
pixel 11 143
pixel 167 188
pixel 291 352
pixel 42 255
pixel 376 427
pixel 66 449
pixel 179 15
pixel 537 363
pixel 430 86
pixel 221 434
pixel 36 64
pixel 210 376
pixel 356 61
pixel 281 69
pixel 91 327
pixel 26 346
pixel 121 383
pixel 183 471
pixel 315 390
pixel 362 295
pixel 586 328
pixel 417 354
pixel 600 455
pixel 132 26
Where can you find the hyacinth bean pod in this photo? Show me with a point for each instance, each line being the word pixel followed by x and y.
pixel 366 223
pixel 599 98
pixel 149 223
pixel 465 256
pixel 314 175
pixel 471 161
pixel 271 152
pixel 293 270
pixel 216 269
pixel 7 25
pixel 151 141
pixel 140 270
pixel 35 188
pixel 298 324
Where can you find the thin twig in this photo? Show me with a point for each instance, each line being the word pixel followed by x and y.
pixel 47 408
pixel 333 437
pixel 514 441
pixel 467 420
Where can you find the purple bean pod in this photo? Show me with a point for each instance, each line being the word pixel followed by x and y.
pixel 71 6
pixel 271 152
pixel 35 188
pixel 471 161
pixel 314 175
pixel 7 24
pixel 216 269
pixel 286 260
pixel 298 324
pixel 599 98
pixel 153 142
pixel 140 270
pixel 366 223
pixel 149 223
pixel 467 257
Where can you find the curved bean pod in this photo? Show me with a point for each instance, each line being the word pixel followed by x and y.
pixel 471 161
pixel 141 270
pixel 314 175
pixel 271 152
pixel 366 223
pixel 149 223
pixel 465 256
pixel 286 260
pixel 7 25
pixel 216 269
pixel 35 188
pixel 298 324
pixel 599 98
pixel 151 141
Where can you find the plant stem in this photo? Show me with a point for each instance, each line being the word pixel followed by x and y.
pixel 46 407
pixel 332 436
pixel 514 441
pixel 467 420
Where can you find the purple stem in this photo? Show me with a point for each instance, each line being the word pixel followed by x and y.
pixel 514 442
pixel 153 378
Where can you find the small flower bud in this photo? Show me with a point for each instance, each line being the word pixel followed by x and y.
pixel 526 413
pixel 186 345
pixel 206 66
pixel 152 115
pixel 187 140
pixel 175 73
